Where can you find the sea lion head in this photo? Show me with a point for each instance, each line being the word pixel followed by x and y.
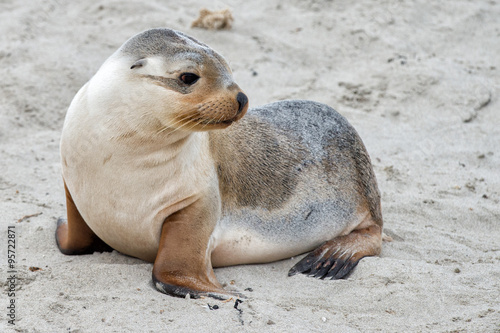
pixel 171 81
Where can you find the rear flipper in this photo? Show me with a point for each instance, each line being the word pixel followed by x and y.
pixel 337 258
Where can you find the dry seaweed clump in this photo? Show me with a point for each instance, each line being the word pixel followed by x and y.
pixel 214 20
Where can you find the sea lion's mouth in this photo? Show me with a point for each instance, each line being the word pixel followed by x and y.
pixel 228 122
pixel 218 122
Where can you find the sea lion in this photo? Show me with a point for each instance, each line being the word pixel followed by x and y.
pixel 159 163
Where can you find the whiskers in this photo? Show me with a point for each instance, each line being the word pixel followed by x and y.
pixel 188 122
pixel 183 120
pixel 210 122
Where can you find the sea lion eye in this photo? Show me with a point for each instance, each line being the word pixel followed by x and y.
pixel 189 78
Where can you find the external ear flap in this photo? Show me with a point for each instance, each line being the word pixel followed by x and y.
pixel 139 63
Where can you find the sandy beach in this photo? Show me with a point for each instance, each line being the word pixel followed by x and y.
pixel 420 82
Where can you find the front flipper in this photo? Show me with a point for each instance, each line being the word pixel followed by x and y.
pixel 337 258
pixel 183 265
pixel 74 236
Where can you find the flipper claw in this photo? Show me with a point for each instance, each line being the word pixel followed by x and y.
pixel 326 266
pixel 337 258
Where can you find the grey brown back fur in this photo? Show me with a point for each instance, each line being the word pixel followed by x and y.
pixel 297 166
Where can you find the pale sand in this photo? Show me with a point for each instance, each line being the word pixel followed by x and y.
pixel 420 83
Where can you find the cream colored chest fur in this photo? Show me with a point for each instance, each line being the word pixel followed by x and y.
pixel 124 189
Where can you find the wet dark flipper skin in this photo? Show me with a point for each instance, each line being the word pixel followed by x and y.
pixel 331 268
pixel 336 259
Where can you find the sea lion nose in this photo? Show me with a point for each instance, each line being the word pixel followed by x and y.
pixel 242 101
